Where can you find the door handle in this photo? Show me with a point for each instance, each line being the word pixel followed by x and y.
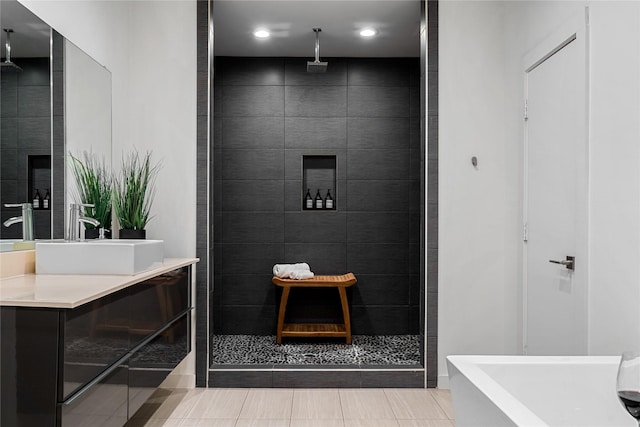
pixel 569 263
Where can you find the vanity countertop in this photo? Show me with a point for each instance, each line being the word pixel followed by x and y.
pixel 71 291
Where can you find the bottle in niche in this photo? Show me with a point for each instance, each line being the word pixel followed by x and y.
pixel 37 200
pixel 318 200
pixel 328 201
pixel 308 201
pixel 46 202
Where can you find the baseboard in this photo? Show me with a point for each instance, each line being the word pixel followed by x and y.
pixel 443 381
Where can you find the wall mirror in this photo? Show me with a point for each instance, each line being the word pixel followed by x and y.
pixel 56 100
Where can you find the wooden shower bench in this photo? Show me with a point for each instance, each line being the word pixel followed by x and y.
pixel 315 329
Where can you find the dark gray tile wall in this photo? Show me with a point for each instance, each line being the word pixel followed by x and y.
pixel 315 101
pixel 58 149
pixel 251 132
pixel 432 197
pixel 26 131
pixel 252 101
pixel 313 132
pixel 385 133
pixel 269 113
pixel 205 225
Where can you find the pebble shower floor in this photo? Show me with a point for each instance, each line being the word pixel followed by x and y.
pixel 369 350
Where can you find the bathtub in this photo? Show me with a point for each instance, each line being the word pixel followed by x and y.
pixel 497 391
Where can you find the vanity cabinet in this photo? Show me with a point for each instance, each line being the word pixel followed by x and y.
pixel 95 364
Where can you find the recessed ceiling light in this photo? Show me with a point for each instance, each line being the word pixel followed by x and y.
pixel 261 33
pixel 368 32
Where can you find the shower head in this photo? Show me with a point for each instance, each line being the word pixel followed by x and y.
pixel 7 65
pixel 317 66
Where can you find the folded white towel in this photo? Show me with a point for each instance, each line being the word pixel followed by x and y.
pixel 283 270
pixel 301 274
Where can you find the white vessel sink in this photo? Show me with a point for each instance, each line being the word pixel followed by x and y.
pixel 99 256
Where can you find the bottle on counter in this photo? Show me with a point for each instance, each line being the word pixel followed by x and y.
pixel 308 200
pixel 46 202
pixel 328 201
pixel 318 200
pixel 37 200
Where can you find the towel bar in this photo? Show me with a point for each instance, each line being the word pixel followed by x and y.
pixel 315 329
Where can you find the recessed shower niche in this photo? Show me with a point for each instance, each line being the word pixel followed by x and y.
pixel 319 179
pixel 39 175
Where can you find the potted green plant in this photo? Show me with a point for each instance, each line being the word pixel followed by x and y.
pixel 133 194
pixel 94 186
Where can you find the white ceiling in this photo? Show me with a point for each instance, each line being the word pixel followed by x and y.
pixel 291 23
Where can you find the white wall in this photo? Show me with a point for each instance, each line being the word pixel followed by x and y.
pixel 614 291
pixel 478 276
pixel 481 96
pixel 162 101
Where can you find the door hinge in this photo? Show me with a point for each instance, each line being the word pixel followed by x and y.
pixel 526 109
pixel 525 232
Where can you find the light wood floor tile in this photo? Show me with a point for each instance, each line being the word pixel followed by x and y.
pixel 365 404
pixel 91 420
pixel 316 423
pixel 135 422
pixel 370 423
pixel 426 423
pixel 267 404
pixel 443 397
pixel 219 403
pixel 316 404
pixel 263 423
pixel 166 404
pixel 208 422
pixel 296 408
pixel 154 422
pixel 414 404
pixel 138 398
pixel 153 403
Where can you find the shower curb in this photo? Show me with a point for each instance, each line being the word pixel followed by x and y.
pixel 298 376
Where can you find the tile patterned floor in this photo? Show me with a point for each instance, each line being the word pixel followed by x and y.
pixel 296 408
pixel 365 350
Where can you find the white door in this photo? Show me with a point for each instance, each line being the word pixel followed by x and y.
pixel 555 295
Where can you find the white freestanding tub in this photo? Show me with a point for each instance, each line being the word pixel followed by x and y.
pixel 497 391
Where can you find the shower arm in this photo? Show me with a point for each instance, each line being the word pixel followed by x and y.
pixel 317 31
pixel 7 46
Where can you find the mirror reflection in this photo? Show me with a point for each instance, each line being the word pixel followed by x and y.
pixel 55 100
pixel 88 116
pixel 25 118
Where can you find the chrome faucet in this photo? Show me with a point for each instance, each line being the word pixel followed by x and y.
pixel 26 219
pixel 76 218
